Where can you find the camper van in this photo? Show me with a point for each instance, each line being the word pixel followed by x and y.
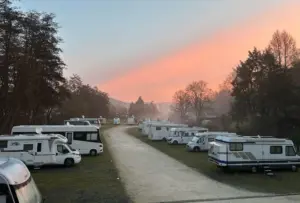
pixel 131 120
pixel 183 135
pixel 160 131
pixel 86 139
pixel 200 142
pixel 116 121
pixel 147 124
pixel 92 121
pixel 253 152
pixel 39 150
pixel 17 184
pixel 76 122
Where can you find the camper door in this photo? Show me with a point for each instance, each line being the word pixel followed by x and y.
pixel 69 136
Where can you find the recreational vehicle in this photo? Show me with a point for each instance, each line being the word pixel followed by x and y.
pixel 147 125
pixel 116 121
pixel 17 184
pixel 131 120
pixel 39 150
pixel 86 139
pixel 92 121
pixel 184 135
pixel 200 142
pixel 75 122
pixel 253 153
pixel 160 131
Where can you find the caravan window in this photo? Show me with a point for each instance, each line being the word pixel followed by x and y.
pixel 3 144
pixel 28 147
pixel 158 128
pixel 290 151
pixel 167 129
pixel 236 146
pixel 80 136
pixel 275 149
pixel 92 136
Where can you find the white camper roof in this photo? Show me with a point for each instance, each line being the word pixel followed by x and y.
pixel 216 133
pixel 31 137
pixel 13 170
pixel 251 139
pixel 54 128
pixel 83 119
pixel 167 125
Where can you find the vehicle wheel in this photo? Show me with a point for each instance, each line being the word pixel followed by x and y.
pixel 164 139
pixel 196 149
pixel 93 152
pixel 294 168
pixel 175 142
pixel 69 162
pixel 254 169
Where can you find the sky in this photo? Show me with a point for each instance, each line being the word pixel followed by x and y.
pixel 131 48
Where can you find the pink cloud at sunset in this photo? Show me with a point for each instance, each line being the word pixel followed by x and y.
pixel 210 60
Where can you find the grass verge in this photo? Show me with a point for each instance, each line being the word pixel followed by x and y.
pixel 283 182
pixel 95 179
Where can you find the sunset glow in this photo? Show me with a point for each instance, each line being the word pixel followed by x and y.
pixel 209 60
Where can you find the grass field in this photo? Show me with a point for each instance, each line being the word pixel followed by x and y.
pixel 283 182
pixel 95 179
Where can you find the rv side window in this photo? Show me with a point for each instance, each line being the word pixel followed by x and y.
pixel 3 144
pixel 275 149
pixel 236 146
pixel 193 134
pixel 80 136
pixel 186 134
pixel 92 136
pixel 290 151
pixel 39 147
pixel 158 128
pixel 28 147
pixel 167 129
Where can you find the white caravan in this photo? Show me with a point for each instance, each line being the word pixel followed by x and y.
pixel 86 139
pixel 39 150
pixel 184 135
pixel 147 124
pixel 200 142
pixel 17 184
pixel 131 120
pixel 160 131
pixel 253 153
pixel 92 121
pixel 116 121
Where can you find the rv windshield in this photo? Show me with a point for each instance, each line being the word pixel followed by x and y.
pixel 69 146
pixel 27 192
pixel 195 139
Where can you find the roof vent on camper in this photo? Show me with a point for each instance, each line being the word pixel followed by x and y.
pixel 38 130
pixel 82 116
pixel 68 123
pixel 258 136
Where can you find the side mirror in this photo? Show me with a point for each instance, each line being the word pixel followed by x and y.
pixel 56 153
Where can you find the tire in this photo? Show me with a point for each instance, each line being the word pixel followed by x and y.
pixel 93 152
pixel 164 139
pixel 294 168
pixel 196 149
pixel 69 162
pixel 175 142
pixel 253 169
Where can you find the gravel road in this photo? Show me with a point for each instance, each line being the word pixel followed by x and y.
pixel 151 176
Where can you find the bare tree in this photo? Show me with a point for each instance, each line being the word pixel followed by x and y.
pixel 182 103
pixel 199 95
pixel 283 46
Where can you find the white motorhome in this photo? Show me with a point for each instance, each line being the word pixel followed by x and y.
pixel 93 121
pixel 184 135
pixel 16 183
pixel 131 120
pixel 86 139
pixel 200 142
pixel 160 131
pixel 147 124
pixel 39 150
pixel 116 121
pixel 253 153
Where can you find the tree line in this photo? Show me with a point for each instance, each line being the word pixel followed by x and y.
pixel 142 110
pixel 33 89
pixel 263 91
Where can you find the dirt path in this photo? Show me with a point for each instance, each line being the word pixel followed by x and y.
pixel 151 176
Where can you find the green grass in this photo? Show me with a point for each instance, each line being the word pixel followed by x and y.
pixel 283 182
pixel 95 179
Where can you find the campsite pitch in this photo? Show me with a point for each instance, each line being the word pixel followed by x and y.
pixel 282 182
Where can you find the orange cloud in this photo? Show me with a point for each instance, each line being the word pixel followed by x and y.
pixel 211 60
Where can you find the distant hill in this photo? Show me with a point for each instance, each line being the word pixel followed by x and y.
pixel 118 103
